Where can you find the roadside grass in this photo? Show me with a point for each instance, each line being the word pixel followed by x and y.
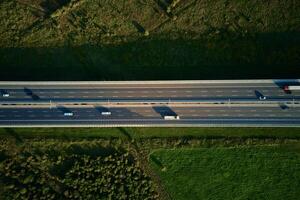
pixel 105 40
pixel 265 56
pixel 244 172
pixel 144 133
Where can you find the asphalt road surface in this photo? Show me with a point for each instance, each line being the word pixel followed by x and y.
pixel 148 92
pixel 242 114
pixel 153 116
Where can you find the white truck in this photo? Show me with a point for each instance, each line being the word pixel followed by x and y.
pixel 171 117
pixel 291 87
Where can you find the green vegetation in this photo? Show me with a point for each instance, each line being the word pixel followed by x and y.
pixel 65 160
pixel 140 133
pixel 131 40
pixel 257 172
pixel 58 170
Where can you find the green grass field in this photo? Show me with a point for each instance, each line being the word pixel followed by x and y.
pixel 257 172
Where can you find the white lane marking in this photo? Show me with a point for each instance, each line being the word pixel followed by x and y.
pixel 174 91
pixel 188 91
pixel 115 96
pixel 218 91
pixel 99 96
pixel 225 115
pixel 116 92
pixel 129 91
pixel 222 110
pixel 174 96
pixel 204 91
pixel 85 92
pixel 130 96
pixel 241 115
pixel 253 110
pixel 85 96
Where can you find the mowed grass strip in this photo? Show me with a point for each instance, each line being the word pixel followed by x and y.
pixel 140 133
pixel 265 172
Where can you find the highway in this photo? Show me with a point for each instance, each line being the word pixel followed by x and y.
pixel 144 104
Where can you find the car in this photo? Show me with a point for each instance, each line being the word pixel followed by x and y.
pixel 262 98
pixel 5 94
pixel 68 114
pixel 106 113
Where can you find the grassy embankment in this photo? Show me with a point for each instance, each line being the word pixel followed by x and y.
pixel 257 172
pixel 105 40
pixel 140 133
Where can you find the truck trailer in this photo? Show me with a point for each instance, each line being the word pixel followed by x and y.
pixel 291 87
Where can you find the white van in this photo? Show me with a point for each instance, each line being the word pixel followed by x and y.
pixel 68 114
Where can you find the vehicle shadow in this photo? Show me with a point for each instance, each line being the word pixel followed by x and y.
pixel 63 109
pixel 258 94
pixel 30 93
pixel 164 111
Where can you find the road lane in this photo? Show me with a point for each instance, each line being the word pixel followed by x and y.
pixel 152 115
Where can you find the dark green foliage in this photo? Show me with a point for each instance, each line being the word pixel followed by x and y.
pixel 244 172
pixel 28 175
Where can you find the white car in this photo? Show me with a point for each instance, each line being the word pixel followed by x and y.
pixel 106 113
pixel 68 114
pixel 5 94
pixel 262 98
